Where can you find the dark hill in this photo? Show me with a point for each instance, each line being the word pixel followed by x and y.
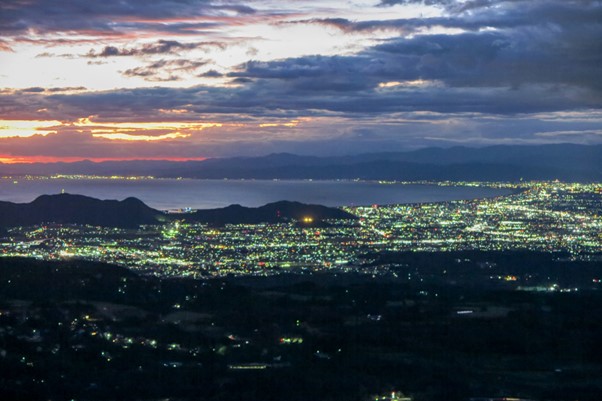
pixel 78 209
pixel 271 213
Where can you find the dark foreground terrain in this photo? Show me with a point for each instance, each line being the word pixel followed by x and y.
pixel 86 331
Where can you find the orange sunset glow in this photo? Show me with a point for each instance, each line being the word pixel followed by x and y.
pixel 7 159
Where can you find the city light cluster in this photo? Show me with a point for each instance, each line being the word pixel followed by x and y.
pixel 540 216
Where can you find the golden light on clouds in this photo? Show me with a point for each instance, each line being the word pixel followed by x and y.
pixel 142 131
pixel 126 131
pixel 141 126
pixel 128 137
pixel 11 160
pixel 174 111
pixel 25 128
pixel 389 84
pixel 290 124
pixel 409 84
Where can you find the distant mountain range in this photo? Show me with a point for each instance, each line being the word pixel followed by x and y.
pixel 131 213
pixel 494 163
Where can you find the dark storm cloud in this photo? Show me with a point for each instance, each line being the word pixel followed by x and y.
pixel 470 60
pixel 511 58
pixel 18 17
pixel 266 98
pixel 529 49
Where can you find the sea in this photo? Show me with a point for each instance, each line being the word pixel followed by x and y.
pixel 175 194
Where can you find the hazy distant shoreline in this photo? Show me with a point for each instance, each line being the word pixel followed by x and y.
pixel 507 163
pixel 170 194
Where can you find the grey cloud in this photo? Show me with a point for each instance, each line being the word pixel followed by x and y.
pixel 241 80
pixel 451 5
pixel 159 47
pixel 109 51
pixel 456 6
pixel 38 89
pixel 545 57
pixel 108 16
pixel 367 120
pixel 164 70
pixel 513 14
pixel 66 89
pixel 265 98
pixel 48 54
pixel 5 46
pixel 317 73
pixel 238 8
pixel 552 45
pixel 425 2
pixel 348 26
pixel 211 74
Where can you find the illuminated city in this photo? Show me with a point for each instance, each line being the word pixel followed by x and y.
pixel 541 216
pixel 251 309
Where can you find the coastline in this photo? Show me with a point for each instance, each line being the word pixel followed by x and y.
pixel 208 194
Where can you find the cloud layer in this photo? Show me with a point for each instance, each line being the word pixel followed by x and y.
pixel 474 72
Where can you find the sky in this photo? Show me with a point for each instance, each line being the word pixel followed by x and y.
pixel 193 79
